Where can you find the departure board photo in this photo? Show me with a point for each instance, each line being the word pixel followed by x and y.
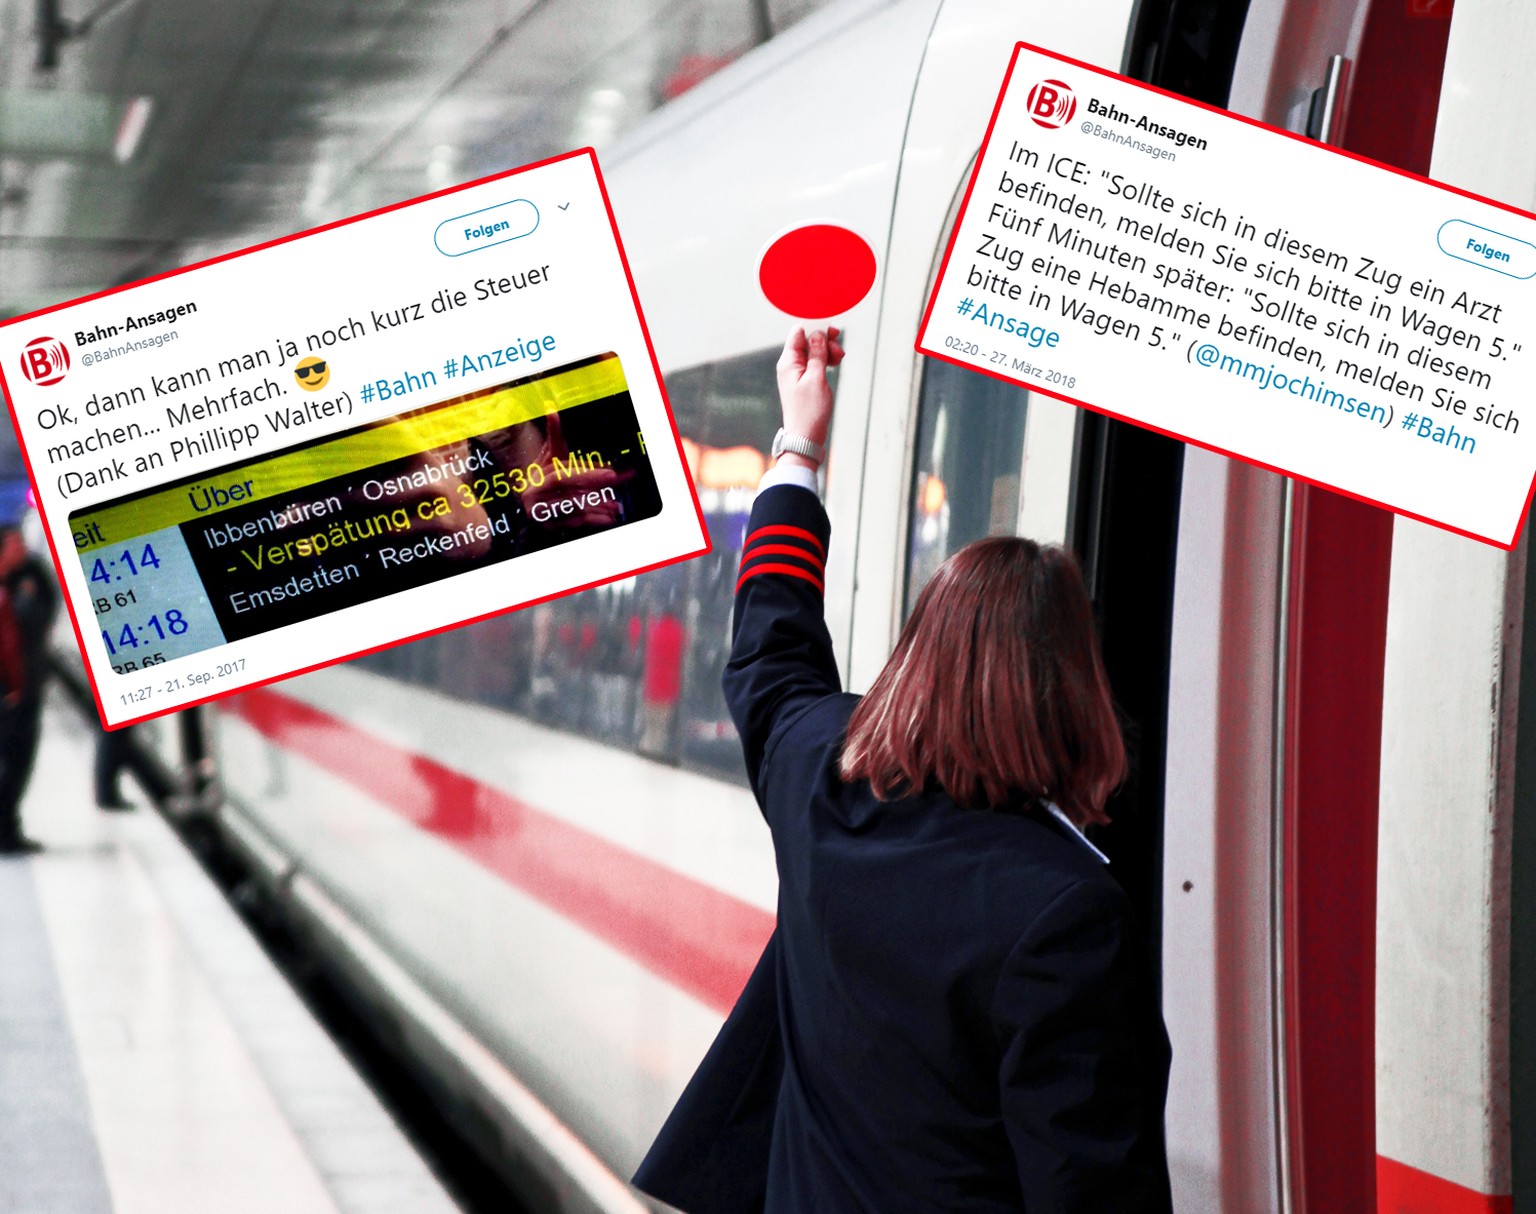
pixel 373 511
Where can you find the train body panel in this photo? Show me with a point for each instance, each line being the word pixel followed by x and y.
pixel 571 1007
pixel 1449 731
pixel 700 194
pixel 1441 976
pixel 699 827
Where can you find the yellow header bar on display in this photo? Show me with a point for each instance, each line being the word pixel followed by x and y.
pixel 406 434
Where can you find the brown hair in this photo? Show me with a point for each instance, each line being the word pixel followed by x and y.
pixel 996 689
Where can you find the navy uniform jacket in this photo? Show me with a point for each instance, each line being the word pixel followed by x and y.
pixel 953 1014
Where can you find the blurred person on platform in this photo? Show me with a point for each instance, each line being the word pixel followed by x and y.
pixel 954 1011
pixel 114 756
pixel 13 685
pixel 31 601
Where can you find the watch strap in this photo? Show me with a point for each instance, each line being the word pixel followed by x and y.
pixel 798 444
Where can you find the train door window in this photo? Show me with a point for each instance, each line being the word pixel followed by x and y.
pixel 989 459
pixel 966 467
pixel 635 664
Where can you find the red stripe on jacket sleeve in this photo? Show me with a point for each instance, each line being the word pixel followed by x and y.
pixel 784 529
pixel 810 558
pixel 792 570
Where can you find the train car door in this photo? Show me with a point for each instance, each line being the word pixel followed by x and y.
pixel 968 455
pixel 967 54
pixel 1387 93
pixel 1451 1038
pixel 952 455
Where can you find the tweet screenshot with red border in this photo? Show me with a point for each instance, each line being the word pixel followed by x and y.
pixel 1251 291
pixel 349 438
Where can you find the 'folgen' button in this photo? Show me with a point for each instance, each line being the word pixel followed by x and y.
pixel 1485 247
pixel 481 229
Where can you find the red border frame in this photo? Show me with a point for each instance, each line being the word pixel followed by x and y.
pixel 650 347
pixel 1099 71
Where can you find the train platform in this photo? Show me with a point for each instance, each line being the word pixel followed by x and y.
pixel 152 1058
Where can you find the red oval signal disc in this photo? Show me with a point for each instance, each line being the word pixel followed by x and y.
pixel 818 271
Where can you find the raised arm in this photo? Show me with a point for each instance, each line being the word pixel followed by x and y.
pixel 781 653
pixel 1084 1070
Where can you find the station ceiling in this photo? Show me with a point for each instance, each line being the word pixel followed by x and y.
pixel 264 117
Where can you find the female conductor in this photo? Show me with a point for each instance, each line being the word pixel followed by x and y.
pixel 953 1014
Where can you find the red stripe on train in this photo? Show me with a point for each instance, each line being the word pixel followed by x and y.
pixel 1401 1189
pixel 692 935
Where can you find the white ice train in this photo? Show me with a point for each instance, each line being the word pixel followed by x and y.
pixel 528 845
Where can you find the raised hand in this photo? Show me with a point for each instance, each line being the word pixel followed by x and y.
pixel 804 393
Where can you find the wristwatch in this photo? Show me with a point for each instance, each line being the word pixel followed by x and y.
pixel 784 441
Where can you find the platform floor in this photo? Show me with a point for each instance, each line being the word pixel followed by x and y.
pixel 152 1060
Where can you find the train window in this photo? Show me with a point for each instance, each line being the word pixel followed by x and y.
pixel 635 663
pixel 966 471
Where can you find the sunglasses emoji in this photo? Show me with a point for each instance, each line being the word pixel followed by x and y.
pixel 313 374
